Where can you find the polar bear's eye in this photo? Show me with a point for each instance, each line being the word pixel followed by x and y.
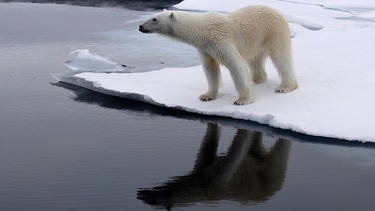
pixel 154 19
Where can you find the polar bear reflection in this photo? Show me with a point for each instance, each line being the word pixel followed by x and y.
pixel 247 173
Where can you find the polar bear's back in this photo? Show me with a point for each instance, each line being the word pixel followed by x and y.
pixel 263 28
pixel 257 15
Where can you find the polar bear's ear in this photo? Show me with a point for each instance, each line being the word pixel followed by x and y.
pixel 173 16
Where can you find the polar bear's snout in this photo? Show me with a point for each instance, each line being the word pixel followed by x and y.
pixel 143 29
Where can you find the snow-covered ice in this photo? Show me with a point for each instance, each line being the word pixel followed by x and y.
pixel 334 50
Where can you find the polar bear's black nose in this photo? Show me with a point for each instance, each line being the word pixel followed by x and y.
pixel 143 29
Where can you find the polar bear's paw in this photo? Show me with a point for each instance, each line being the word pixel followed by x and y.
pixel 206 97
pixel 286 88
pixel 243 101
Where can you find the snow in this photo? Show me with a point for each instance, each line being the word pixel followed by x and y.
pixel 333 48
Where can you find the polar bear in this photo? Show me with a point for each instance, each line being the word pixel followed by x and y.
pixel 240 40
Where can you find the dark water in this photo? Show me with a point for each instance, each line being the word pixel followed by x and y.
pixel 130 4
pixel 67 148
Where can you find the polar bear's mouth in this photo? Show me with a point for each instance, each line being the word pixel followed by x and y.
pixel 143 29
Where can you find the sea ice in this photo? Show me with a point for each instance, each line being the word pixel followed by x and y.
pixel 333 49
pixel 86 61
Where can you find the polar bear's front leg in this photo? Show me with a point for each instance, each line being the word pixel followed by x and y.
pixel 240 74
pixel 245 97
pixel 211 69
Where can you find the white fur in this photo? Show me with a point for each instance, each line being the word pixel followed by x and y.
pixel 240 40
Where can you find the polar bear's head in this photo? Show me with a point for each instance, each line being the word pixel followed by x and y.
pixel 160 23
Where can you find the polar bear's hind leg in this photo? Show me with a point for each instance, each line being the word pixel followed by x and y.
pixel 284 66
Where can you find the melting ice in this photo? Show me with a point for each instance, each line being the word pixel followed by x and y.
pixel 333 49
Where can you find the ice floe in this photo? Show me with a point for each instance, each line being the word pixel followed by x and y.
pixel 333 47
